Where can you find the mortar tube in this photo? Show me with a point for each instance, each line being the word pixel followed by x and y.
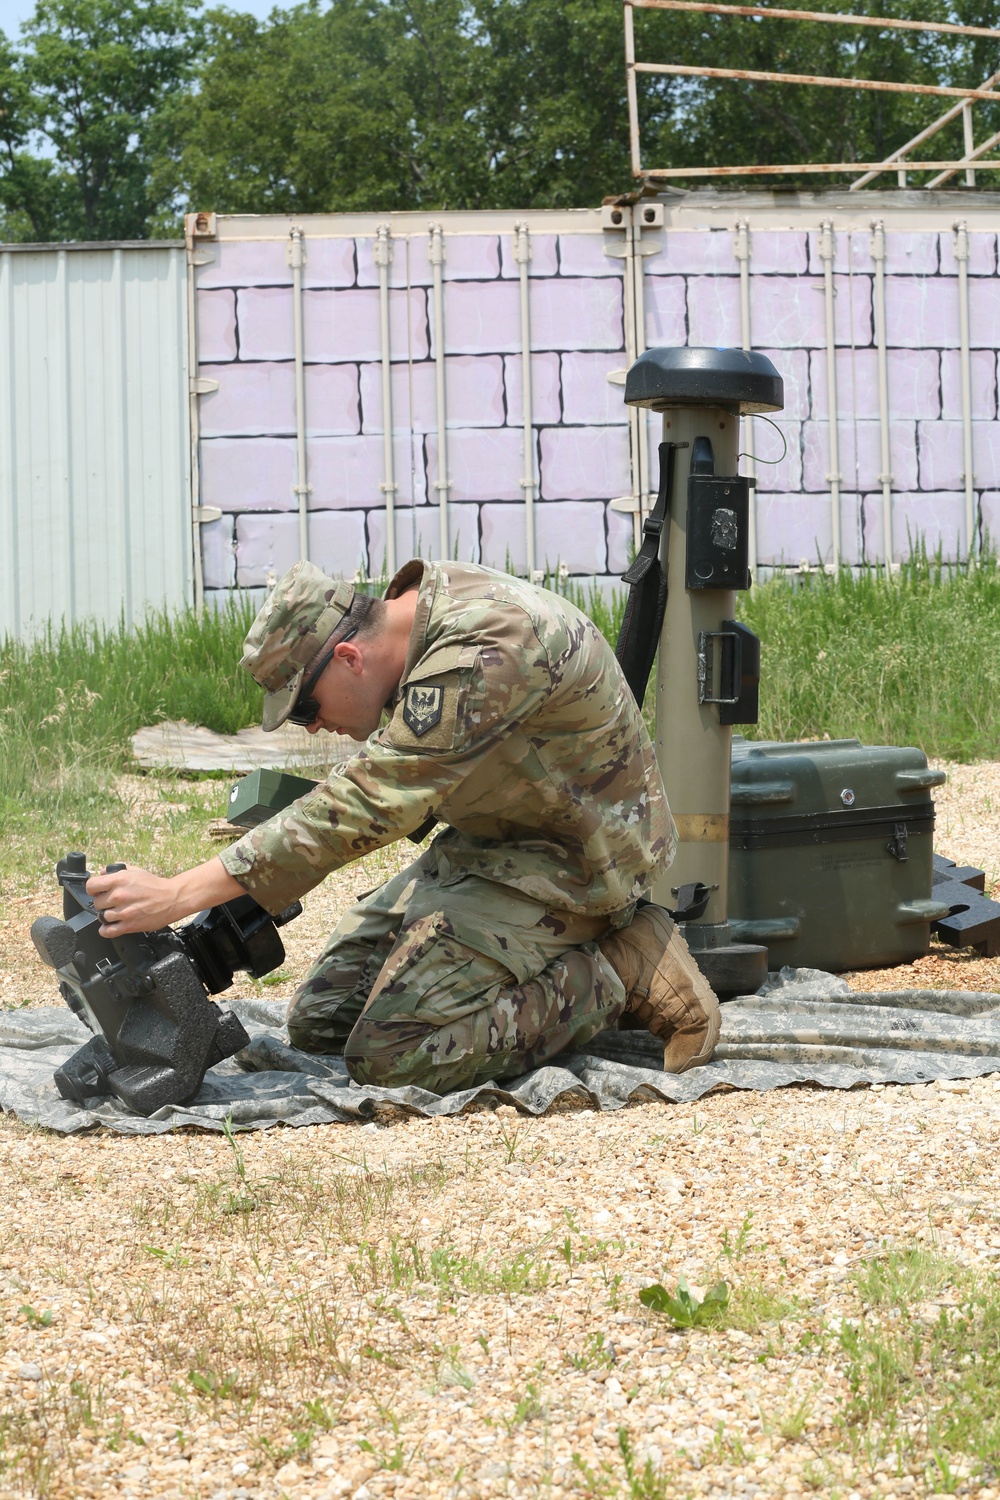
pixel 692 748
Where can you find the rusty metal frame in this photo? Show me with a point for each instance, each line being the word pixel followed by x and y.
pixel 898 161
pixel 841 18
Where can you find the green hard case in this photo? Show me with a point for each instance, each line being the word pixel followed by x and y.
pixel 830 852
pixel 263 793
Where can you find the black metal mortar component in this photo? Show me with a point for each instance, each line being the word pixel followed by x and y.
pixel 145 995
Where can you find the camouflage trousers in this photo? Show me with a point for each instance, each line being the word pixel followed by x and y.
pixel 448 984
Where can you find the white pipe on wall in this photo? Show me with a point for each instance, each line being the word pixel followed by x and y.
pixel 965 366
pixel 741 249
pixel 636 415
pixel 301 488
pixel 885 477
pixel 194 425
pixel 522 255
pixel 382 250
pixel 638 269
pixel 826 251
pixel 442 484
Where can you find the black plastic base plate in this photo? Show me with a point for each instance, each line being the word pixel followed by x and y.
pixel 733 969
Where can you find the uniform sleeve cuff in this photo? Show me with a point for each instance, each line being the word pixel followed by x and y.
pixel 271 887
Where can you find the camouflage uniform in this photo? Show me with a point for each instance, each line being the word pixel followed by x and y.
pixel 513 726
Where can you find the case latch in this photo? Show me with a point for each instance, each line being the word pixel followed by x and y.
pixel 897 844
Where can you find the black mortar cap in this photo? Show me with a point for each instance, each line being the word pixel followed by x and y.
pixel 736 380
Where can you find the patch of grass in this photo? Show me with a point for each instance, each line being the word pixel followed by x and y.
pixel 643 1481
pixel 404 1264
pixel 754 1302
pixel 866 656
pixel 922 1362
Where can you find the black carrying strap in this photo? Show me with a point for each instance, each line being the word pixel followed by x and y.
pixel 647 598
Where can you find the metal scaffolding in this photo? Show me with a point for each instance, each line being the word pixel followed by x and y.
pixel 898 161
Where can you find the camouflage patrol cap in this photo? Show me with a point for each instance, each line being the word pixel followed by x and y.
pixel 301 613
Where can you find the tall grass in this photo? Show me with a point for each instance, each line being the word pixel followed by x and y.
pixel 71 700
pixel 911 659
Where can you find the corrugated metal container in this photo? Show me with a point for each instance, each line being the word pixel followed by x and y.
pixel 95 510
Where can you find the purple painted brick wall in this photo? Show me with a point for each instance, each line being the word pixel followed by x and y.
pixel 580 455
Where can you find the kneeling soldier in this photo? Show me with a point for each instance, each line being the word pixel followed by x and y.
pixel 516 934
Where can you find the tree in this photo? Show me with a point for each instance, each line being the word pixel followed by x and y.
pixel 143 109
pixel 86 84
pixel 29 190
pixel 379 104
pixel 364 105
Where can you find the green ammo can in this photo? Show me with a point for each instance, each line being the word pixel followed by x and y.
pixel 830 852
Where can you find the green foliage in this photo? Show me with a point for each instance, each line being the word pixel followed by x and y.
pixel 922 1364
pixel 642 1481
pixel 70 702
pixel 84 690
pixel 909 659
pixel 683 1308
pixel 209 1383
pixel 88 81
pixel 36 1319
pixel 396 104
pixel 146 107
pixel 405 1264
pixel 904 660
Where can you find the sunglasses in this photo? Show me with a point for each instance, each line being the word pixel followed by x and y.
pixel 306 709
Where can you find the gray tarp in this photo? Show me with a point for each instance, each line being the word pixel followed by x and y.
pixel 803 1027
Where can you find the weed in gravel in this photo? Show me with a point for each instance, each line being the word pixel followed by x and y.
pixel 613 1286
pixel 683 1308
pixel 791 1422
pixel 247 1198
pixel 514 1138
pixel 643 1480
pixel 753 1304
pixel 452 1372
pixel 922 1364
pixel 529 1407
pixel 579 1248
pixel 34 1318
pixel 406 1265
pixel 596 1354
pixel 737 1247
pixel 729 1448
pixel 172 1259
pixel 393 1462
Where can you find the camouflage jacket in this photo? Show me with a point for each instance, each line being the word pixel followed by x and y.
pixel 514 726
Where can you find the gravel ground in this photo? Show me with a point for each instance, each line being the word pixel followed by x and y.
pixel 450 1307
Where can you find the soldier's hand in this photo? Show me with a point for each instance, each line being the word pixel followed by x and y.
pixel 132 900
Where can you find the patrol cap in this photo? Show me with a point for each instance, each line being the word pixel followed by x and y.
pixel 298 618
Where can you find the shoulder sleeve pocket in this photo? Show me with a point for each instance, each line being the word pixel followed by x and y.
pixel 429 713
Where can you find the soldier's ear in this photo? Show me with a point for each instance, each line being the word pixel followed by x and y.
pixel 350 654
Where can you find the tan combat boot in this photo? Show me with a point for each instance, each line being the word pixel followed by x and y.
pixel 664 988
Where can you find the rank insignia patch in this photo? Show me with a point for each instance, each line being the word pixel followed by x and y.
pixel 422 708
